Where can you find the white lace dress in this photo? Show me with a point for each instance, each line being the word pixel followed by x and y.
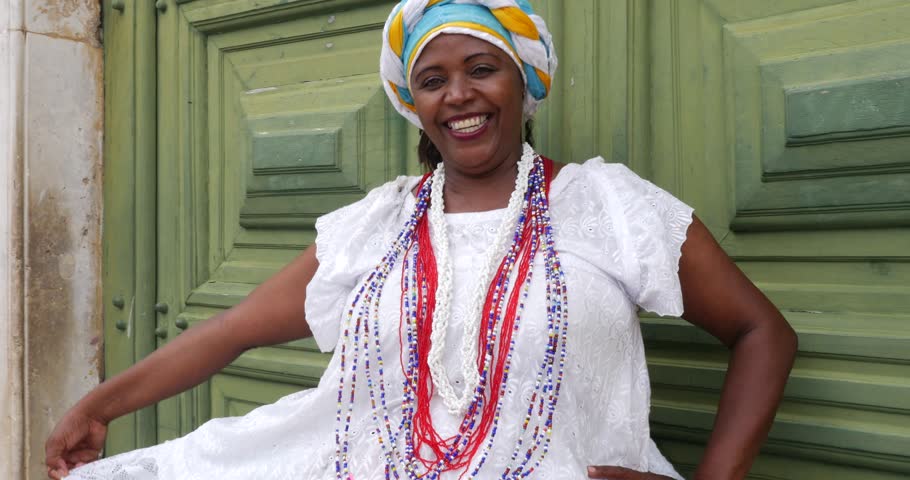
pixel 619 238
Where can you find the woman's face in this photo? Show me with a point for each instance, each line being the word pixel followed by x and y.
pixel 468 95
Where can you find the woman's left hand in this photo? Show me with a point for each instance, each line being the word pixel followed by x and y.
pixel 620 473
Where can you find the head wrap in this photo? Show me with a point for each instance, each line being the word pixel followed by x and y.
pixel 509 24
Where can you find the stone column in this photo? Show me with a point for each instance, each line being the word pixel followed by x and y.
pixel 12 416
pixel 51 111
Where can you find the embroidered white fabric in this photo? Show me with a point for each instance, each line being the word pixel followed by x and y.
pixel 619 238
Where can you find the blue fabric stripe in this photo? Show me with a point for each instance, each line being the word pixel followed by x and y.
pixel 446 12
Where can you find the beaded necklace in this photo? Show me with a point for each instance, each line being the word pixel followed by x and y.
pixel 413 448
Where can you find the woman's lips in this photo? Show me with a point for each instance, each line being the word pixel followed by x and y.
pixel 468 127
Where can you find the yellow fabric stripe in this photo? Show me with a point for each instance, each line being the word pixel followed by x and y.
pixel 401 100
pixel 517 21
pixel 469 25
pixel 547 81
pixel 431 3
pixel 396 34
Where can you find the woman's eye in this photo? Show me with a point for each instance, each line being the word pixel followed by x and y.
pixel 482 70
pixel 431 82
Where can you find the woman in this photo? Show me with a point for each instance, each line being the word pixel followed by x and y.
pixel 483 318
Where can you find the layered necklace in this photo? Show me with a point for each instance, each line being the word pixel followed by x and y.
pixel 412 448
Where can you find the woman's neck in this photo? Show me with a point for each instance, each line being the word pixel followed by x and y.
pixel 489 190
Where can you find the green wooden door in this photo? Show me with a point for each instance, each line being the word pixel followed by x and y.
pixel 269 115
pixel 784 123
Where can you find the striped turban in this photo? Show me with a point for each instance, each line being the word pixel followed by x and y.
pixel 509 24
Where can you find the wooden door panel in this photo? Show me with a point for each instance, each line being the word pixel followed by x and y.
pixel 339 120
pixel 784 125
pixel 820 131
pixel 270 115
pixel 237 395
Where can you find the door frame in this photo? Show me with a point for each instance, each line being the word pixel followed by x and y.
pixel 129 228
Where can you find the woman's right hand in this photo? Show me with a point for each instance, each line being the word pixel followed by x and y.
pixel 77 439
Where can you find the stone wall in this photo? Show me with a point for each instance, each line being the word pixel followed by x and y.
pixel 51 107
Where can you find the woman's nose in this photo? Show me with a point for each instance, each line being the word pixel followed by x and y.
pixel 459 90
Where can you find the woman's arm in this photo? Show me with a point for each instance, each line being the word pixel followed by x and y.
pixel 273 313
pixel 719 298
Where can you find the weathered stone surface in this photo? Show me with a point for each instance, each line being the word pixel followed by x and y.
pixel 12 419
pixel 72 19
pixel 63 134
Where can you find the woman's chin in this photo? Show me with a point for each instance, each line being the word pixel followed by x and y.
pixel 476 157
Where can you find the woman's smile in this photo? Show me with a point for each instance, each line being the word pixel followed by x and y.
pixel 468 127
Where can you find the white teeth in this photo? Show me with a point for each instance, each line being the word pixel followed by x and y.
pixel 469 125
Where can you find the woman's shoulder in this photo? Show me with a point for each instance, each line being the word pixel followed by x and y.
pixel 599 169
pixel 607 207
pixel 368 221
pixel 392 193
pixel 383 200
pixel 596 177
pixel 617 187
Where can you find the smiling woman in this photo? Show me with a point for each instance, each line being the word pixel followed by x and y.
pixel 469 97
pixel 483 317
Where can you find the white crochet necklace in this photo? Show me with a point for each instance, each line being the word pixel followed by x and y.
pixel 439 237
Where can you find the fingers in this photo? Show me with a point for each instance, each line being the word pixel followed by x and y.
pixel 59 462
pixel 53 449
pixel 610 472
pixel 61 470
pixel 82 456
pixel 56 448
pixel 57 469
pixel 613 472
pixel 56 474
pixel 74 442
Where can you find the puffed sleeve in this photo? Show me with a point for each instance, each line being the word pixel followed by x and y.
pixel 349 243
pixel 653 225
